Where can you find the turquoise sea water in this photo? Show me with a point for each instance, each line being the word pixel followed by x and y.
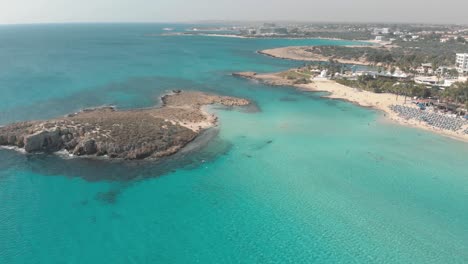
pixel 303 180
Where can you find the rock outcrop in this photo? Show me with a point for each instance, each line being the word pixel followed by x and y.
pixel 133 134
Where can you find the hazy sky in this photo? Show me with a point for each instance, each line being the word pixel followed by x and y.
pixel 46 11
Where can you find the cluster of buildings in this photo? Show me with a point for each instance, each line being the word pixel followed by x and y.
pixel 424 74
pixel 443 37
pixel 382 34
pixel 461 66
pixel 453 35
pixel 429 76
pixel 381 31
pixel 387 74
pixel 386 34
pixel 268 29
pixel 447 38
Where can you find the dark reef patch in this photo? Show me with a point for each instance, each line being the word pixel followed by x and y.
pixel 205 148
pixel 140 91
pixel 332 102
pixel 109 197
pixel 287 99
pixel 262 145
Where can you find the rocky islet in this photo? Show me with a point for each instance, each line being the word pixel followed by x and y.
pixel 132 134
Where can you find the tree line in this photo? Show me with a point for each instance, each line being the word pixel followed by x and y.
pixel 456 94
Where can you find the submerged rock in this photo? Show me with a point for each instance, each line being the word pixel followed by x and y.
pixel 134 134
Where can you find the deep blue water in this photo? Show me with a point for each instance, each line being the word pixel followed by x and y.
pixel 304 180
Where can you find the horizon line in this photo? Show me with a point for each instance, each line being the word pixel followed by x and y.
pixel 213 21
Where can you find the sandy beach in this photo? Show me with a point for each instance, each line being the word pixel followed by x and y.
pixel 379 101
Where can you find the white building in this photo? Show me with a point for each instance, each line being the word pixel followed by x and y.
pixel 380 38
pixel 399 74
pixel 431 80
pixel 449 82
pixel 462 62
pixel 380 31
pixel 324 74
pixel 425 68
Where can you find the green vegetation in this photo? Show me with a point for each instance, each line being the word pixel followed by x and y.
pixel 429 50
pixel 297 76
pixel 457 93
pixel 348 35
pixel 407 56
pixel 370 54
pixel 387 85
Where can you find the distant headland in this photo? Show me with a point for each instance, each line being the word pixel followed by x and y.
pixel 131 134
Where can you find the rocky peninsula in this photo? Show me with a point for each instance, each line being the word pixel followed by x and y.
pixel 310 53
pixel 132 134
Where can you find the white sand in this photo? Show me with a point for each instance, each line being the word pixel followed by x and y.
pixel 379 101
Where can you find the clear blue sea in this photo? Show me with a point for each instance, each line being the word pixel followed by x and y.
pixel 303 180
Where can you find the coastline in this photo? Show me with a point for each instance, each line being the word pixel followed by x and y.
pixel 370 43
pixel 380 102
pixel 130 134
pixel 196 34
pixel 297 53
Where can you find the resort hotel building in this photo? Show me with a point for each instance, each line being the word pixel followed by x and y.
pixel 462 62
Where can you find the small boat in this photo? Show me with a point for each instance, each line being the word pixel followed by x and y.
pixel 168 29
